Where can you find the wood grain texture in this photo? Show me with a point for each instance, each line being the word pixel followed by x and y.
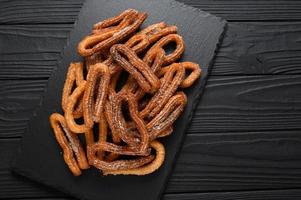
pixel 230 103
pixel 247 49
pixel 207 162
pixel 62 11
pixel 260 48
pixel 250 10
pixel 247 103
pixel 43 11
pixel 18 99
pixel 238 161
pixel 294 194
pixel 291 194
pixel 32 48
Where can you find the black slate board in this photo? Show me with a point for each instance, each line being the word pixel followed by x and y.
pixel 39 156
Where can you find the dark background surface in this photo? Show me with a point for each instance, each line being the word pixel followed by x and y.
pixel 245 139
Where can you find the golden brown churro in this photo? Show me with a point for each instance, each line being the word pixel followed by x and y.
pixel 159 46
pixel 104 40
pixel 74 76
pixel 170 82
pixel 141 72
pixel 114 23
pixel 146 169
pixel 69 143
pixel 191 78
pixel 70 120
pixel 95 100
pixel 127 95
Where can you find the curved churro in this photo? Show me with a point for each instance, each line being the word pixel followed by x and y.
pixel 69 143
pixel 95 101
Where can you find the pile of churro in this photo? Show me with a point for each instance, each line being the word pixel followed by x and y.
pixel 126 95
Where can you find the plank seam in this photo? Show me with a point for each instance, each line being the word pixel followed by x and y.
pixel 225 191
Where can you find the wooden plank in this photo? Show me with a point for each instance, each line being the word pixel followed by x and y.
pixel 247 49
pixel 208 162
pixel 249 103
pixel 43 11
pixel 238 161
pixel 250 10
pixel 61 11
pixel 18 99
pixel 260 48
pixel 32 48
pixel 230 103
pixel 293 194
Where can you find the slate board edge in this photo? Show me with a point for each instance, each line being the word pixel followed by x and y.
pixel 201 88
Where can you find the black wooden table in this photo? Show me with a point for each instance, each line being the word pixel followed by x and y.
pixel 245 138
